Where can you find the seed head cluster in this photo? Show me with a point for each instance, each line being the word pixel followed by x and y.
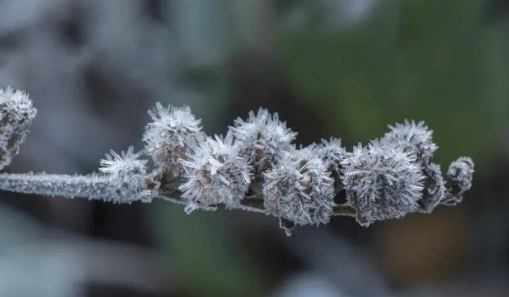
pixel 256 166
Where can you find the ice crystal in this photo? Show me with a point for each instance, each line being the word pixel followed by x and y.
pixel 382 182
pixel 215 173
pixel 171 135
pixel 299 188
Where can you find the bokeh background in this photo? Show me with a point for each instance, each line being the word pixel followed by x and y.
pixel 343 68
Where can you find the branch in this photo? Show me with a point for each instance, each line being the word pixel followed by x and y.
pixel 255 167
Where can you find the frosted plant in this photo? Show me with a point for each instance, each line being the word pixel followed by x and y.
pixel 255 167
pixel 299 188
pixel 382 182
pixel 16 115
pixel 127 173
pixel 215 173
pixel 413 137
pixel 262 137
pixel 170 136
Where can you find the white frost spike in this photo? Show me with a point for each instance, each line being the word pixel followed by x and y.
pixel 127 173
pixel 173 132
pixel 262 137
pixel 299 188
pixel 413 137
pixel 382 182
pixel 16 116
pixel 216 174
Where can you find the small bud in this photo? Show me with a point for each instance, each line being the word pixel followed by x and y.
pixel 127 175
pixel 172 134
pixel 299 188
pixel 382 182
pixel 216 174
pixel 460 174
pixel 16 116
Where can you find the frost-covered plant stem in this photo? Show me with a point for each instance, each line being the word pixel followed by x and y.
pixel 255 167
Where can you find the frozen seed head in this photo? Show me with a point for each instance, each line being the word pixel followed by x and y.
pixel 413 137
pixel 216 174
pixel 434 187
pixel 127 175
pixel 16 116
pixel 382 182
pixel 171 135
pixel 299 188
pixel 460 174
pixel 262 137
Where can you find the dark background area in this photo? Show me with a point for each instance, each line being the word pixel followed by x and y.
pixel 342 68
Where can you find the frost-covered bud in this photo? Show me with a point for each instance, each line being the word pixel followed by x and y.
pixel 434 187
pixel 415 138
pixel 16 116
pixel 382 182
pixel 299 188
pixel 460 175
pixel 216 174
pixel 262 137
pixel 171 135
pixel 127 176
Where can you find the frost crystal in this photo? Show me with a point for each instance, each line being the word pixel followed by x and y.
pixel 16 116
pixel 434 188
pixel 171 135
pixel 299 188
pixel 215 173
pixel 127 175
pixel 381 182
pixel 262 137
pixel 416 138
pixel 460 174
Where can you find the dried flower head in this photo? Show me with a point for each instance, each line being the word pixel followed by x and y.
pixel 171 135
pixel 299 188
pixel 381 182
pixel 434 187
pixel 127 175
pixel 262 137
pixel 413 137
pixel 216 174
pixel 16 116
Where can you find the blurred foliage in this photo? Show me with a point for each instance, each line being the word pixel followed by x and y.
pixel 423 60
pixel 204 252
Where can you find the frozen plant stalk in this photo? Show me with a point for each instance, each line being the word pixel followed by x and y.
pixel 254 167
